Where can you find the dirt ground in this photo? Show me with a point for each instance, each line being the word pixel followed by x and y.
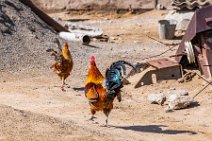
pixel 32 106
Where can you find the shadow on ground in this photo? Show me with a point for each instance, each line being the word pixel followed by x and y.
pixel 79 88
pixel 155 129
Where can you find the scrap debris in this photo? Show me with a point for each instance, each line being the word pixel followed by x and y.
pixel 187 76
pixel 173 100
pixel 79 32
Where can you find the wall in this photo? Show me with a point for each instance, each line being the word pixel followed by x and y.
pixel 52 5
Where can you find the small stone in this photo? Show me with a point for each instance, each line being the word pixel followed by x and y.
pixel 178 92
pixel 158 98
pixel 168 109
pixel 78 94
pixel 113 38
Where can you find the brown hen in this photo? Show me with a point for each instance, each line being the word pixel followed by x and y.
pixel 63 62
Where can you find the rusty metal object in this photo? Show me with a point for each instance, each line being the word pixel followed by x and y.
pixel 160 69
pixel 56 26
pixel 190 52
pixel 197 43
pixel 197 25
pixel 162 63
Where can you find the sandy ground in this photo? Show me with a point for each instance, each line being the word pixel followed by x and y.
pixel 33 107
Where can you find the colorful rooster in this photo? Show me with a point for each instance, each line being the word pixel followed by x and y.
pixel 101 98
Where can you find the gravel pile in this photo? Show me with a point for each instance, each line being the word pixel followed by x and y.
pixel 24 38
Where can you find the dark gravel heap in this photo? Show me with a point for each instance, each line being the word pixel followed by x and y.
pixel 24 38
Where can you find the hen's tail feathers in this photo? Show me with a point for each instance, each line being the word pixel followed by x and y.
pixel 115 74
pixel 57 55
pixel 58 44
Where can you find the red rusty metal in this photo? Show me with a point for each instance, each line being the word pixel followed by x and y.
pixel 199 33
pixel 158 70
pixel 200 22
pixel 162 63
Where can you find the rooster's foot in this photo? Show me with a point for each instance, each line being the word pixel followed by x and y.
pixel 92 118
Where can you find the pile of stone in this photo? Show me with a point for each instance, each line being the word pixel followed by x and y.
pixel 24 38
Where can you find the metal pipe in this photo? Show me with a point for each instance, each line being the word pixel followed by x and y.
pixel 78 37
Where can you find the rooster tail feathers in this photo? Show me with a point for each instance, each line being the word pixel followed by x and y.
pixel 121 65
pixel 114 75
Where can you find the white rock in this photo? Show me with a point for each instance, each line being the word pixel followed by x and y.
pixel 179 99
pixel 178 92
pixel 158 98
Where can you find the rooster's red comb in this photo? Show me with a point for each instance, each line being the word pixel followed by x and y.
pixel 92 59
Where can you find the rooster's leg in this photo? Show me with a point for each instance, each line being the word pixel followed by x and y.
pixel 92 116
pixel 119 96
pixel 65 83
pixel 106 112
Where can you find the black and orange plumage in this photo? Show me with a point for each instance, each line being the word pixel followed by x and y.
pixel 101 97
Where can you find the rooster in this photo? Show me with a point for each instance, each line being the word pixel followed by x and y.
pixel 63 62
pixel 101 97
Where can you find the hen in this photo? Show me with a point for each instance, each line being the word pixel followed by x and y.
pixel 101 97
pixel 63 62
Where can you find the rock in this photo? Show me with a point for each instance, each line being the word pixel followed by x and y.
pixel 168 109
pixel 24 38
pixel 160 7
pixel 178 92
pixel 158 98
pixel 178 99
pixel 113 38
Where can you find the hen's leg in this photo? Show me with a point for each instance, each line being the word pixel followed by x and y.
pixel 106 112
pixel 62 85
pixel 65 81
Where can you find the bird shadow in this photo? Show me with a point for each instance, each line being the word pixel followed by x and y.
pixel 78 88
pixel 155 129
pixel 92 46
